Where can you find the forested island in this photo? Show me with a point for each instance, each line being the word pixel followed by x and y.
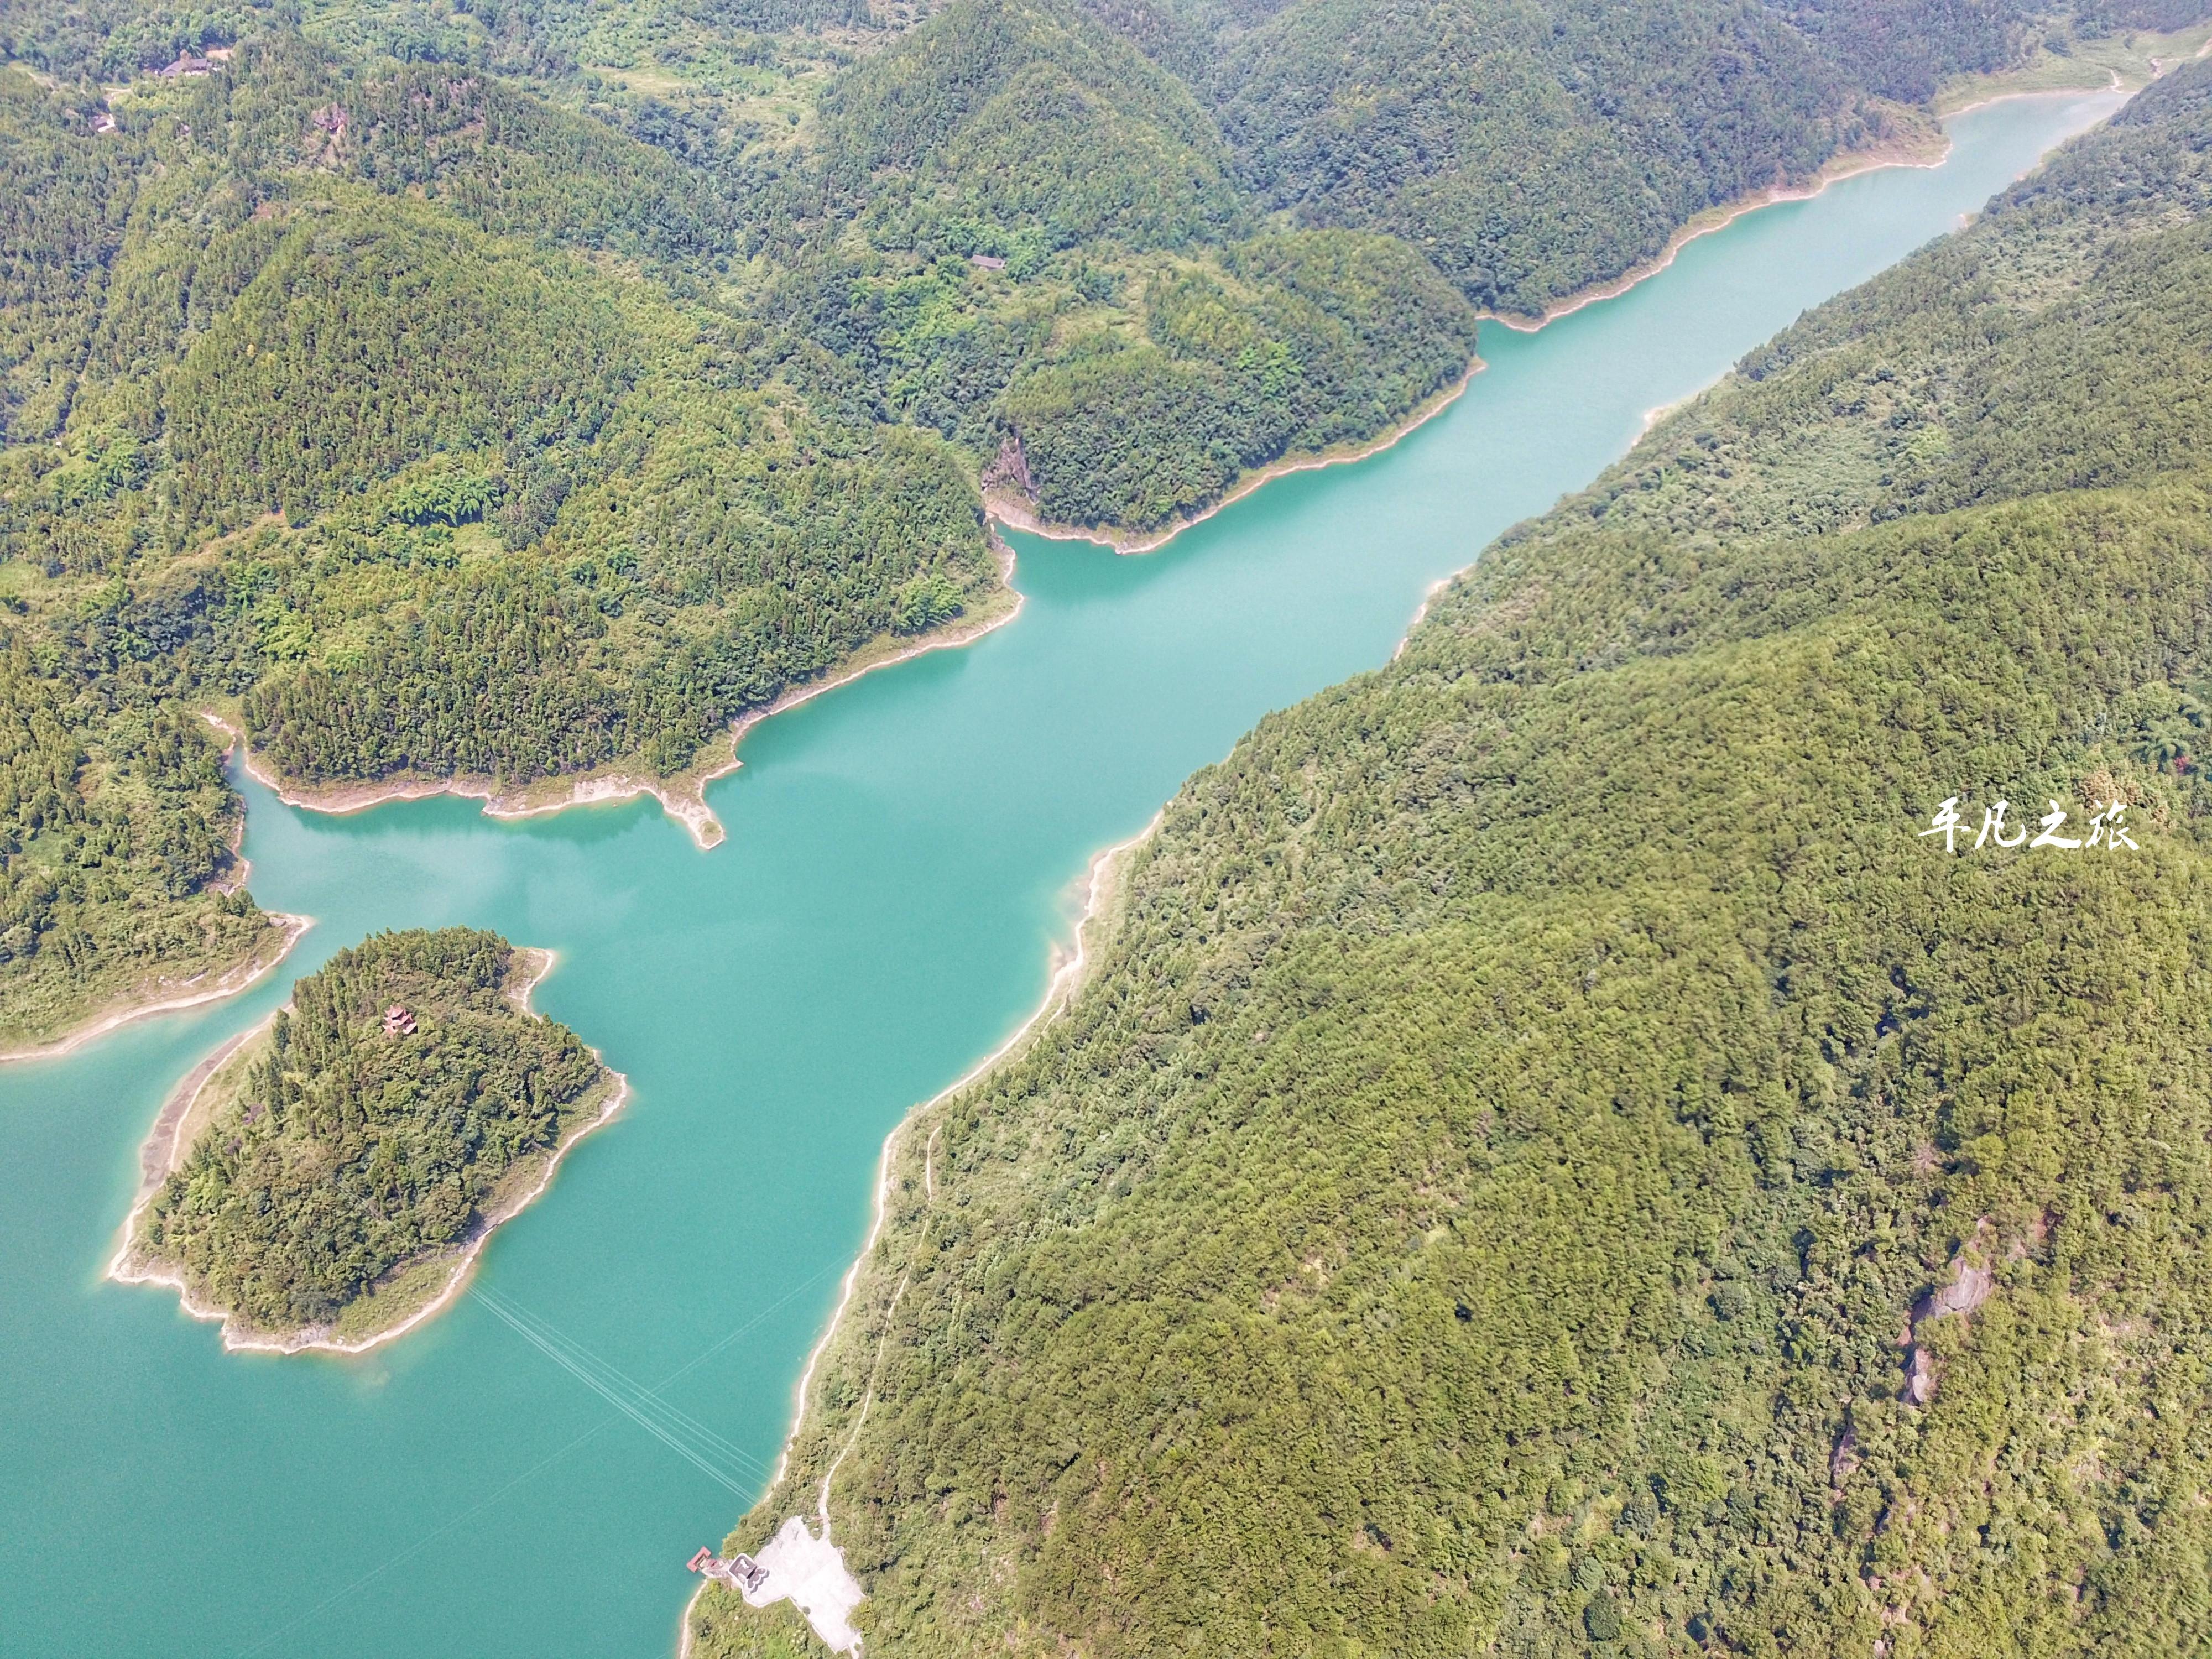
pixel 517 398
pixel 1562 1151
pixel 327 1182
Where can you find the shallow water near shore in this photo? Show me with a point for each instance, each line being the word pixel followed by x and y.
pixel 904 856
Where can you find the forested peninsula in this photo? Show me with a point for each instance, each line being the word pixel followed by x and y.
pixel 1603 1136
pixel 517 397
pixel 326 1181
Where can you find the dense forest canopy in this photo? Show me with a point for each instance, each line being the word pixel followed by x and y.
pixel 1555 1158
pixel 1552 1156
pixel 1527 150
pixel 378 408
pixel 344 1150
pixel 516 388
pixel 116 825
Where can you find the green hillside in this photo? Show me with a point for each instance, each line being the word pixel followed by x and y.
pixel 1530 150
pixel 382 410
pixel 118 829
pixel 503 393
pixel 1024 112
pixel 1551 1159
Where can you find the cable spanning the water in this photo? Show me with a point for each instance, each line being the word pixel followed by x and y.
pixel 684 1435
pixel 474 1510
pixel 691 1427
pixel 620 1398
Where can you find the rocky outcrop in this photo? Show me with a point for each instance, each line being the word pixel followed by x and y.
pixel 1009 470
pixel 1968 1281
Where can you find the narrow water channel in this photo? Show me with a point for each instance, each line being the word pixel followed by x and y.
pixel 900 863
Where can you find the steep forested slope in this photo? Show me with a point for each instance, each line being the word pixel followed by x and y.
pixel 503 393
pixel 117 826
pixel 1130 348
pixel 378 408
pixel 1552 1158
pixel 1024 112
pixel 1514 153
pixel 1529 151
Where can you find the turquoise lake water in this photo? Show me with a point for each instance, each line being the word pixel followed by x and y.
pixel 901 858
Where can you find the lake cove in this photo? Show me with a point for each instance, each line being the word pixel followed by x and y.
pixel 528 1473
